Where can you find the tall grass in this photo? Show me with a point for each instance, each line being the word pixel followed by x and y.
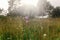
pixel 15 28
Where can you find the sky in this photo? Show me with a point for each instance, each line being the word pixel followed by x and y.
pixel 54 2
pixel 4 3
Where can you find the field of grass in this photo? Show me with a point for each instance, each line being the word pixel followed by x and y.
pixel 15 28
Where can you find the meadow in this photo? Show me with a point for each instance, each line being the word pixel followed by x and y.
pixel 15 28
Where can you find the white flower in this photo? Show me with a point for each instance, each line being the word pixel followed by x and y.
pixel 44 35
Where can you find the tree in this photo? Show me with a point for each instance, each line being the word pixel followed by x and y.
pixel 1 10
pixel 12 7
pixel 56 12
pixel 49 7
pixel 11 4
pixel 13 14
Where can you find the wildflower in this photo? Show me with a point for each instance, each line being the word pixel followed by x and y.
pixel 44 35
pixel 26 19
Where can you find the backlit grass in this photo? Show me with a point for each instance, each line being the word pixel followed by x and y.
pixel 15 28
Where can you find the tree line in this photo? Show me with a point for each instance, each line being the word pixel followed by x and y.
pixel 51 10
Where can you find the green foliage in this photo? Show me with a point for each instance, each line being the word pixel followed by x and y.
pixel 56 12
pixel 8 36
